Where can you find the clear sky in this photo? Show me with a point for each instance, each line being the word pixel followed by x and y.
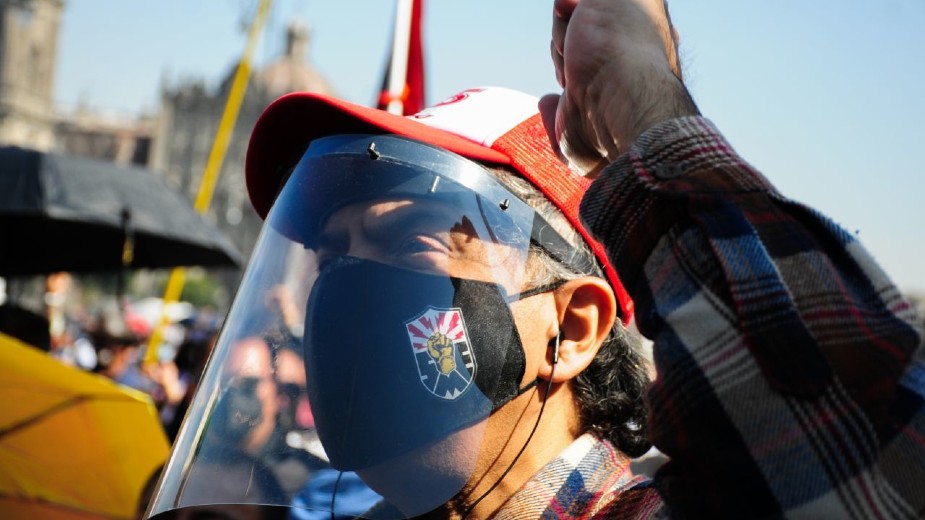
pixel 825 97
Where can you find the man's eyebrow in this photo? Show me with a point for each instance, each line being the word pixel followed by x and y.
pixel 410 216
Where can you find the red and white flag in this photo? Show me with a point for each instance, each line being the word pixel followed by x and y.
pixel 402 89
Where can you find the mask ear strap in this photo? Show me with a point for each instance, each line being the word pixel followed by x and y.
pixel 536 290
pixel 555 352
pixel 552 373
pixel 555 360
pixel 524 389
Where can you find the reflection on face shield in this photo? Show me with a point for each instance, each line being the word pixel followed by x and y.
pixel 339 170
pixel 239 410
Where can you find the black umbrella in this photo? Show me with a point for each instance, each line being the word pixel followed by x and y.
pixel 65 213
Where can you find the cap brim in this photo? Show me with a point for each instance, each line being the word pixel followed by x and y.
pixel 292 122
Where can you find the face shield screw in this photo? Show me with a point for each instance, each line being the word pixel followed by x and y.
pixel 505 204
pixel 373 153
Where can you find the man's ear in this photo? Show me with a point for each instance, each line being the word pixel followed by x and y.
pixel 586 309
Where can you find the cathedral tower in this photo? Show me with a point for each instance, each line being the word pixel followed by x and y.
pixel 28 48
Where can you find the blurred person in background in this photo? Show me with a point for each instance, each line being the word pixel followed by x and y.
pixel 74 347
pixel 27 326
pixel 121 358
pixel 231 462
pixel 199 338
pixel 69 343
pixel 297 457
pixel 285 450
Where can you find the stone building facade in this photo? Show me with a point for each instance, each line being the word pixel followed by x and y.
pixel 28 48
pixel 123 140
pixel 188 120
pixel 175 141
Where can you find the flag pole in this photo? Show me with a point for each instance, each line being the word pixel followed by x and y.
pixel 213 166
pixel 398 68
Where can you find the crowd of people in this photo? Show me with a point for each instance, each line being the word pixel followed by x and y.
pixel 264 421
pixel 112 340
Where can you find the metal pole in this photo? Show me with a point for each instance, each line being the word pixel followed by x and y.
pixel 213 166
pixel 398 68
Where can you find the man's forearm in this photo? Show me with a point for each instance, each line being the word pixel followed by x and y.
pixel 780 344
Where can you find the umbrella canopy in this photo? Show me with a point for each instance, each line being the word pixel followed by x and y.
pixel 72 444
pixel 66 213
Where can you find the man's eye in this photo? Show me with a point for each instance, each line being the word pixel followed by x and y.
pixel 418 244
pixel 420 252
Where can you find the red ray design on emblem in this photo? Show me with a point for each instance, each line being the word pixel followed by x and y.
pixel 441 322
pixel 426 323
pixel 414 330
pixel 454 325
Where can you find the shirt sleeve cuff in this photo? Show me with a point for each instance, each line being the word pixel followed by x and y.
pixel 644 193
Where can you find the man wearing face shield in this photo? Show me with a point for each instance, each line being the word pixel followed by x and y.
pixel 464 337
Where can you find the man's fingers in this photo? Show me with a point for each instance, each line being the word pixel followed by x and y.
pixel 580 158
pixel 548 105
pixel 564 8
pixel 559 27
pixel 566 141
pixel 558 62
pixel 600 48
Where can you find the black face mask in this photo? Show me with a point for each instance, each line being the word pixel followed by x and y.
pixel 397 359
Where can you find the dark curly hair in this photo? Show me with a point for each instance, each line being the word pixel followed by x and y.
pixel 611 391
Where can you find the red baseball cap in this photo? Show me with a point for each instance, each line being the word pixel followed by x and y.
pixel 489 125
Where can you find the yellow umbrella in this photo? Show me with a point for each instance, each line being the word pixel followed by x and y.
pixel 72 444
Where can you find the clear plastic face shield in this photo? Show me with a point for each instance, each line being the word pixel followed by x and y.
pixel 370 340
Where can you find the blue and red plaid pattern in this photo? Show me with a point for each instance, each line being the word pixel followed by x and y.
pixel 584 481
pixel 790 369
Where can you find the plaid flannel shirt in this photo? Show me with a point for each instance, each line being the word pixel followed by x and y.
pixel 589 479
pixel 584 481
pixel 790 372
